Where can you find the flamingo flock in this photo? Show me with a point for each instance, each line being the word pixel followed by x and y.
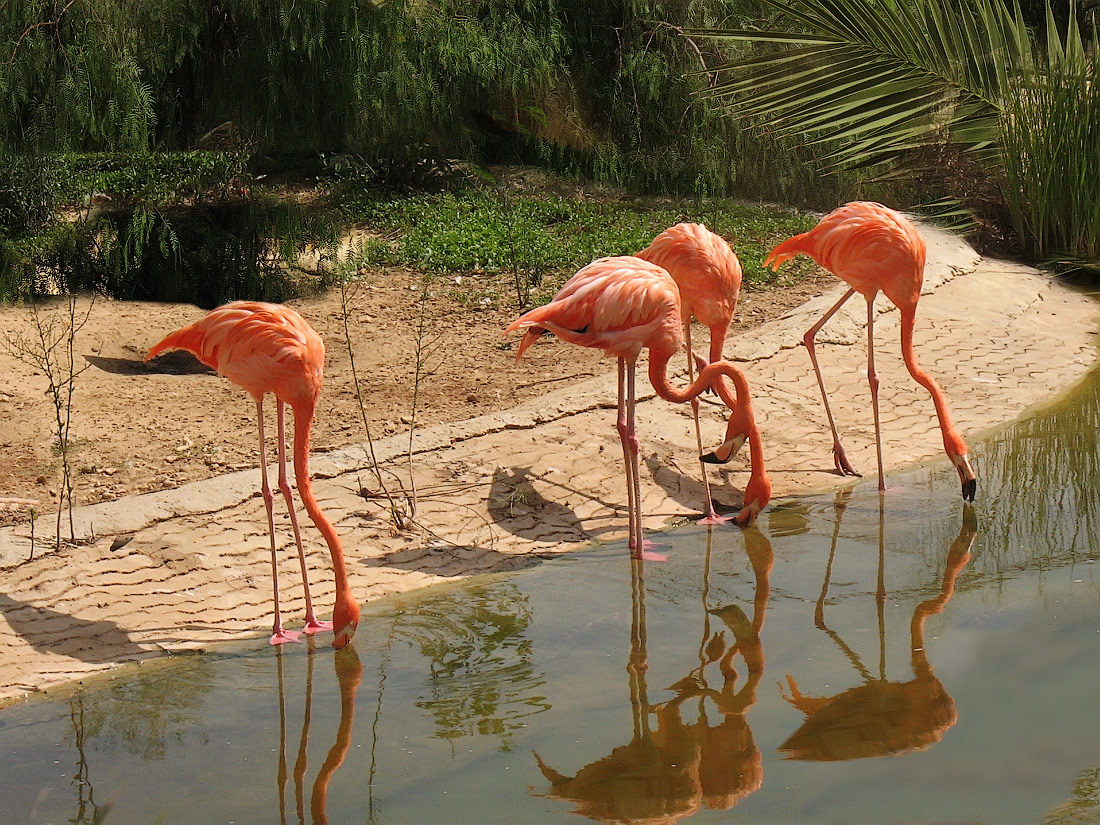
pixel 621 305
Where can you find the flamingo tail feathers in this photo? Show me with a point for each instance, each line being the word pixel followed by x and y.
pixel 798 245
pixel 189 338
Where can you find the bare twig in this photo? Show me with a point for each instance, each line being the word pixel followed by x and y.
pixel 51 352
pixel 397 513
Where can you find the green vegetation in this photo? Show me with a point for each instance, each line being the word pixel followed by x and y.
pixel 172 150
pixel 962 102
pixel 550 238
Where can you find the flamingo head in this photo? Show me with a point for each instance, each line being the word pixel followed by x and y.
pixel 726 450
pixel 345 619
pixel 758 493
pixel 966 475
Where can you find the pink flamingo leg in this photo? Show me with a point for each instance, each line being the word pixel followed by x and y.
pixel 278 634
pixel 711 516
pixel 840 458
pixel 873 383
pixel 628 435
pixel 312 624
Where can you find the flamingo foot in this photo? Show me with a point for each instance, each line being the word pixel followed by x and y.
pixel 713 518
pixel 281 637
pixel 316 626
pixel 841 462
pixel 649 555
pixel 646 553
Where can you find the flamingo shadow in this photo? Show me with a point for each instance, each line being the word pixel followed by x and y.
pixel 686 490
pixel 516 505
pixel 441 558
pixel 176 362
pixel 49 631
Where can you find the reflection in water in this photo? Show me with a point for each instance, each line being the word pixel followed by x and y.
pixel 87 811
pixel 667 774
pixel 1040 508
pixel 149 711
pixel 879 717
pixel 349 673
pixel 481 679
pixel 1083 808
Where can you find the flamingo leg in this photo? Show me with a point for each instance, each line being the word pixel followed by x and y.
pixel 628 435
pixel 278 634
pixel 711 516
pixel 873 383
pixel 624 437
pixel 312 624
pixel 840 458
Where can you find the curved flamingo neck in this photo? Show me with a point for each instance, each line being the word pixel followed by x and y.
pixel 348 674
pixel 717 344
pixel 303 424
pixel 952 441
pixel 710 376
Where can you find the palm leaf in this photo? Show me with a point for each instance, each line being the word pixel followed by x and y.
pixel 847 76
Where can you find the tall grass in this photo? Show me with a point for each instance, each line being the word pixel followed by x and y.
pixel 1050 150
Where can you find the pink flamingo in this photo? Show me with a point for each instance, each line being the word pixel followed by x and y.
pixel 270 348
pixel 873 248
pixel 708 275
pixel 622 305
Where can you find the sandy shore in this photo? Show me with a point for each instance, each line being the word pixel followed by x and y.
pixel 189 567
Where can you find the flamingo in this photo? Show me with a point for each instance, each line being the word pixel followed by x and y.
pixel 271 348
pixel 708 275
pixel 622 305
pixel 871 247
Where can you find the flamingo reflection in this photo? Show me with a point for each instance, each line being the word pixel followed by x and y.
pixel 671 772
pixel 880 717
pixel 349 673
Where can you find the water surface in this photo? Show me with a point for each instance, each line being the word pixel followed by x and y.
pixel 857 658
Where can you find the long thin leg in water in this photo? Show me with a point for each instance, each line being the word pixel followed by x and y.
pixel 873 382
pixel 278 634
pixel 840 458
pixel 312 624
pixel 711 516
pixel 623 427
pixel 628 435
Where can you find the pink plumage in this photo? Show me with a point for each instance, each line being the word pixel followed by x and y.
pixel 623 305
pixel 270 348
pixel 619 305
pixel 867 245
pixel 871 247
pixel 707 273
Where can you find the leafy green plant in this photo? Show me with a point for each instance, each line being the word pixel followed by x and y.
pixel 475 232
pixel 963 89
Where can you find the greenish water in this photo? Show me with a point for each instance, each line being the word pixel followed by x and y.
pixel 754 677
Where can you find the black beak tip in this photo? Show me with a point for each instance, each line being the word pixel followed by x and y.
pixel 712 458
pixel 970 489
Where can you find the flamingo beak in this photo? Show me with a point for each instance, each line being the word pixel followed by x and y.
pixel 967 476
pixel 749 513
pixel 729 448
pixel 344 634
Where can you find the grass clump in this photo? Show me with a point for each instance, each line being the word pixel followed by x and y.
pixel 549 238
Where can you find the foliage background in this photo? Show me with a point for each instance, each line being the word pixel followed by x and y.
pixel 144 142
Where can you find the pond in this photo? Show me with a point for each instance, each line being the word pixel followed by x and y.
pixel 856 658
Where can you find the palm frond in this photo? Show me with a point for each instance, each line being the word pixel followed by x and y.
pixel 880 78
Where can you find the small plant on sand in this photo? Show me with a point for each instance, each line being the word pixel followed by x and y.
pixel 425 349
pixel 400 514
pixel 49 349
